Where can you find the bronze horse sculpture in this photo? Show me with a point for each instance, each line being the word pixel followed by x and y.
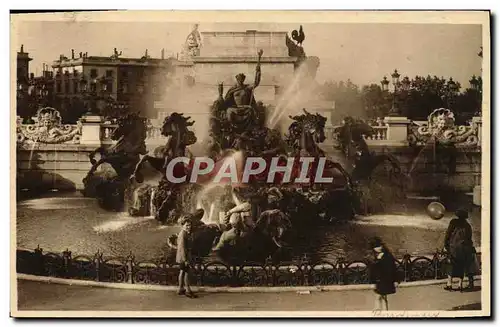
pixel 130 135
pixel 167 197
pixel 375 175
pixel 304 135
pixel 332 201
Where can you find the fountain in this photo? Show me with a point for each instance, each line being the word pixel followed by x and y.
pixel 282 214
pixel 262 211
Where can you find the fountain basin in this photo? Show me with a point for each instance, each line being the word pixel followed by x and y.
pixel 61 221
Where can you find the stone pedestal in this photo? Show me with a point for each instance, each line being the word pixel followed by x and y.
pixel 91 129
pixel 397 129
pixel 476 195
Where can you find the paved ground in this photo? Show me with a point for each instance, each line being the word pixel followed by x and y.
pixel 43 296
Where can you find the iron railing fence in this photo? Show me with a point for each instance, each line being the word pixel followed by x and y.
pixel 302 272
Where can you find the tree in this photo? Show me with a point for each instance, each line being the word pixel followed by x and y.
pixel 347 97
pixel 415 98
pixel 376 102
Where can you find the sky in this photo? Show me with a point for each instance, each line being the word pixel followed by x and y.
pixel 362 52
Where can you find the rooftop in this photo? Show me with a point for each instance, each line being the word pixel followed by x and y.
pixel 110 61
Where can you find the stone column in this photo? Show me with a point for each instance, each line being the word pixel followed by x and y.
pixel 91 129
pixel 397 129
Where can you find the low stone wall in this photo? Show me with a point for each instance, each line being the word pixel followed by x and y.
pixel 426 173
pixel 57 166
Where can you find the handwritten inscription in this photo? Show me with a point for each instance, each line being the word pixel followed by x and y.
pixel 404 314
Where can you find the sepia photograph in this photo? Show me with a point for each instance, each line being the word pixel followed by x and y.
pixel 250 163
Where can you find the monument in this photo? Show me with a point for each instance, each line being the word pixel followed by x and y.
pixel 212 58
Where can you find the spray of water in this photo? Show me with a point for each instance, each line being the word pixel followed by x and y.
pixel 214 192
pixel 299 92
pixel 33 146
pixel 430 142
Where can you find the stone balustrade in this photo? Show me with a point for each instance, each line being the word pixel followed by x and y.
pixel 55 154
pixel 153 134
pixel 93 130
pixel 380 134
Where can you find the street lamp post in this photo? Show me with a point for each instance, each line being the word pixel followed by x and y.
pixel 475 84
pixel 385 84
pixel 43 95
pixel 395 81
pixel 405 85
pixel 452 89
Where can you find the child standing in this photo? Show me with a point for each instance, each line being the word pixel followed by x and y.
pixel 183 257
pixel 383 274
pixel 460 249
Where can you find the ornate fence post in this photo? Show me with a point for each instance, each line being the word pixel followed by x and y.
pixel 234 273
pixel 40 267
pixel 67 262
pixel 97 262
pixel 435 263
pixel 305 267
pixel 407 266
pixel 198 270
pixel 130 268
pixel 269 267
pixel 341 269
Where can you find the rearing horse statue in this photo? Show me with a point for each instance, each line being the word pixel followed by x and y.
pixel 332 200
pixel 175 128
pixel 130 136
pixel 304 135
pixel 379 174
pixel 167 199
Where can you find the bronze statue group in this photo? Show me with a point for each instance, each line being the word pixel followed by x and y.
pixel 259 217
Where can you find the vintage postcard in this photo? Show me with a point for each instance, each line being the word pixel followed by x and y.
pixel 244 163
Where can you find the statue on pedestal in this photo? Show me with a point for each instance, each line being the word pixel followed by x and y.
pixel 294 44
pixel 240 101
pixel 193 43
pixel 238 111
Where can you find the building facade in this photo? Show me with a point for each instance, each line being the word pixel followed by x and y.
pixel 24 105
pixel 109 86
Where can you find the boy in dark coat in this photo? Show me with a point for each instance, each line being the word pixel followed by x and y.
pixel 458 244
pixel 383 273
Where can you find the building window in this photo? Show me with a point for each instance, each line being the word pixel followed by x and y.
pixel 124 89
pixel 109 73
pixel 93 73
pixel 140 89
pixel 75 86
pixel 66 87
pixel 58 87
